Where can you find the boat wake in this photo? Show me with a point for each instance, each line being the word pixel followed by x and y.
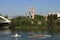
pixel 39 36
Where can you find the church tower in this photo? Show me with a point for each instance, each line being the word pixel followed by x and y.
pixel 31 12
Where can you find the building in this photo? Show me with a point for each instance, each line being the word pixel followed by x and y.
pixel 31 12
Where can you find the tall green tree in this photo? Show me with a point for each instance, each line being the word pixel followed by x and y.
pixel 51 20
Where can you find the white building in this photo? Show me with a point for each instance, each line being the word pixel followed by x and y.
pixel 58 14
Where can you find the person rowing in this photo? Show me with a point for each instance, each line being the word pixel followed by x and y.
pixel 16 35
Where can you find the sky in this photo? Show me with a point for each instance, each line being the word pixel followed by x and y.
pixel 19 7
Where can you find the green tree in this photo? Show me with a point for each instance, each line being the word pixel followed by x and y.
pixel 0 14
pixel 51 20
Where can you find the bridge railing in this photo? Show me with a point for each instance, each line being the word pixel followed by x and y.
pixel 6 20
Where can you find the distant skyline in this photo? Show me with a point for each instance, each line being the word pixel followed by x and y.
pixel 19 7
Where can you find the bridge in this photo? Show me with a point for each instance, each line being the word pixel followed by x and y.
pixel 4 21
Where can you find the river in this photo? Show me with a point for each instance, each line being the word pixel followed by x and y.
pixel 7 35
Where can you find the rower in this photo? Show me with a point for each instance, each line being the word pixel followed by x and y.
pixel 16 35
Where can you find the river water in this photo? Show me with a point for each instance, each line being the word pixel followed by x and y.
pixel 7 35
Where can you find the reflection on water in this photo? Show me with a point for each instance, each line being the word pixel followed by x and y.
pixel 5 32
pixel 6 35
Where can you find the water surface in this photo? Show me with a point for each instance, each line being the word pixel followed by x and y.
pixel 6 34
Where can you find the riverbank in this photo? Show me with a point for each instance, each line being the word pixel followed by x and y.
pixel 31 29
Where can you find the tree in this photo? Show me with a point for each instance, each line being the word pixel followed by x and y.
pixel 51 20
pixel 0 14
pixel 55 16
pixel 6 16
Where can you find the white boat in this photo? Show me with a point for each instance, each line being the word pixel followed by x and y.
pixel 16 35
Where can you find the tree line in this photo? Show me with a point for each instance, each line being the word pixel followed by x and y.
pixel 26 23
